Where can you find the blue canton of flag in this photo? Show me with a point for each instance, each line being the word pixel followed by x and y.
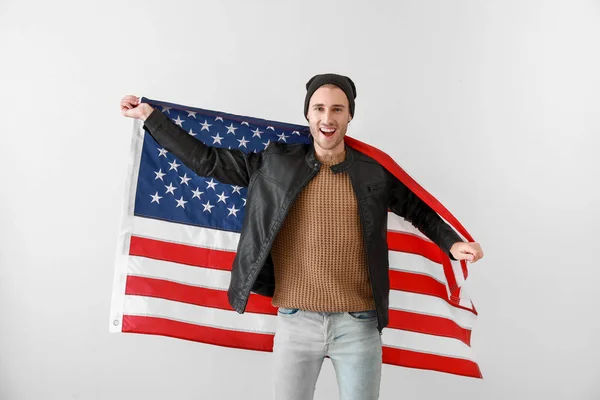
pixel 170 191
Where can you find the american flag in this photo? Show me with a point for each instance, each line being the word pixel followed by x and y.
pixel 179 234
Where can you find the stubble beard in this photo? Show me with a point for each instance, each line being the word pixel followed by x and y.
pixel 326 144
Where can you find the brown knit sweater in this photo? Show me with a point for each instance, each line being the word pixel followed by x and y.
pixel 318 255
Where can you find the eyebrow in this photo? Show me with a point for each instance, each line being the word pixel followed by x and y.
pixel 334 105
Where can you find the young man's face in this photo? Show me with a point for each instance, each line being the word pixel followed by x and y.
pixel 328 117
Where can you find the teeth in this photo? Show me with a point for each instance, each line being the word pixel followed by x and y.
pixel 328 129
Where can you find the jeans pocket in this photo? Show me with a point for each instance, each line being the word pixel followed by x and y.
pixel 368 315
pixel 288 311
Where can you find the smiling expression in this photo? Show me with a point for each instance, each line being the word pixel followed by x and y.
pixel 328 118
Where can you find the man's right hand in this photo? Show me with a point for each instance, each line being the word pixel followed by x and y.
pixel 132 108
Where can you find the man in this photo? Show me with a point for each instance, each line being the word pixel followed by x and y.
pixel 314 239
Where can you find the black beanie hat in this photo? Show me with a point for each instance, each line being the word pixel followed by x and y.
pixel 341 81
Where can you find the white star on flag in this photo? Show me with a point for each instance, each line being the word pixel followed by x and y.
pixel 236 189
pixel 211 184
pixel 159 175
pixel 170 189
pixel 207 207
pixel 181 203
pixel 217 139
pixel 233 211
pixel 231 129
pixel 197 193
pixel 185 179
pixel 283 137
pixel 162 152
pixel 155 198
pixel 179 121
pixel 222 197
pixel 205 125
pixel 192 114
pixel 257 132
pixel 243 142
pixel 174 165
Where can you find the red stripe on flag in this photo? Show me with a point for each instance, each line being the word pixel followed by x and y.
pixel 264 342
pixel 200 296
pixel 422 284
pixel 181 253
pixel 198 333
pixel 409 243
pixel 414 359
pixel 158 288
pixel 431 325
pixel 223 260
pixel 451 279
pixel 416 283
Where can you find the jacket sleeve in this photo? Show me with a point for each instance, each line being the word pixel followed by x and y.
pixel 408 205
pixel 228 166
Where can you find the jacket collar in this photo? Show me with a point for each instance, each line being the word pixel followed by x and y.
pixel 314 163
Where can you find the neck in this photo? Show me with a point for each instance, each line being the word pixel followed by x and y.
pixel 331 159
pixel 336 151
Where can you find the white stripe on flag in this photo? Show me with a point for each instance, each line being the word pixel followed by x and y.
pixel 185 234
pixel 180 273
pixel 223 240
pixel 426 343
pixel 261 323
pixel 217 279
pixel 199 315
pixel 399 224
pixel 408 262
pixel 430 305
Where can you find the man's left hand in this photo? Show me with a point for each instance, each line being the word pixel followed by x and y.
pixel 470 251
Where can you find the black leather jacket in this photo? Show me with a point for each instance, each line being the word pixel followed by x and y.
pixel 274 178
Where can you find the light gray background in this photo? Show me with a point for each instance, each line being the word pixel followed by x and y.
pixel 493 106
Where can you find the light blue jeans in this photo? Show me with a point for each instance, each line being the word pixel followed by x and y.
pixel 304 338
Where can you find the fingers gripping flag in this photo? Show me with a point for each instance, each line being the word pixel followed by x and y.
pixel 179 234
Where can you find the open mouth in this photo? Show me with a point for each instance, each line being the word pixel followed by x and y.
pixel 328 132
